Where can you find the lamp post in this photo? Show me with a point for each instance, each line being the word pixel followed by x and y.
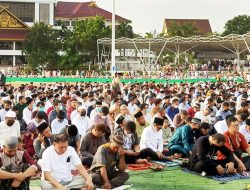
pixel 113 67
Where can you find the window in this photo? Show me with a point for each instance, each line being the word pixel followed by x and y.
pixel 6 45
pixel 6 60
pixel 24 11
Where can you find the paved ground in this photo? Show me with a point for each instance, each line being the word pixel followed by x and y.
pixel 173 179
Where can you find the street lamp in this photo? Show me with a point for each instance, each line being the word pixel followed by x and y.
pixel 113 67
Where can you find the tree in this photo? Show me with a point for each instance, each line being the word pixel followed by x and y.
pixel 184 30
pixel 41 46
pixel 124 30
pixel 86 33
pixel 238 25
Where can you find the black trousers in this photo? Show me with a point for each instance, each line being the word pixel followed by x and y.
pixel 209 166
pixel 145 153
pixel 116 178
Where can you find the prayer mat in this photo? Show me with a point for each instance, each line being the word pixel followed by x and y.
pixel 222 179
pixel 138 166
pixel 167 163
pixel 123 187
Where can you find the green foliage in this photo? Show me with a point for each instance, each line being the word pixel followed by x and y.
pixel 86 33
pixel 124 30
pixel 238 25
pixel 184 30
pixel 41 46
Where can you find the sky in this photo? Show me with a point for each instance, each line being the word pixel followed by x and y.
pixel 148 15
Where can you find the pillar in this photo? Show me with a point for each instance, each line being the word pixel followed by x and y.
pixel 14 60
pixel 51 14
pixel 37 12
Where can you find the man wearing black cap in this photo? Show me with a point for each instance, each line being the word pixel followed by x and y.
pixel 183 139
pixel 120 121
pixel 107 158
pixel 44 139
pixel 152 138
pixel 140 122
pixel 16 161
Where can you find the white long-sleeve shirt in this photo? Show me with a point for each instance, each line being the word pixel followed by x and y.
pixel 27 115
pixel 152 139
pixel 82 124
pixel 56 126
pixel 6 131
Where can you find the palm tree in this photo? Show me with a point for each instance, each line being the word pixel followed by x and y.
pixel 124 30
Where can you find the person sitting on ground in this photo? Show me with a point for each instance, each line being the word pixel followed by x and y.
pixel 91 142
pixel 140 122
pixel 183 139
pixel 28 139
pixel 152 138
pixel 57 163
pixel 44 139
pixel 202 158
pixel 58 123
pixel 204 115
pixel 121 122
pixel 243 109
pixel 180 118
pixel 103 169
pixel 245 130
pixel 236 142
pixel 57 106
pixel 223 112
pixel 16 161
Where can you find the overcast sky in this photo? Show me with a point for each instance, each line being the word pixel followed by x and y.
pixel 148 15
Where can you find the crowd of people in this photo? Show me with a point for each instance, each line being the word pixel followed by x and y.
pixel 82 135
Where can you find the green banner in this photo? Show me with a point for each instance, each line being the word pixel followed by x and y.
pixel 105 80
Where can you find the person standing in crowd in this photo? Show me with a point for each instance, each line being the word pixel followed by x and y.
pixel 57 162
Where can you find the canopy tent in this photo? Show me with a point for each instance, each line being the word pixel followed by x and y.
pixel 233 43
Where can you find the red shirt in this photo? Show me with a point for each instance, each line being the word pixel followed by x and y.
pixel 234 142
pixel 191 112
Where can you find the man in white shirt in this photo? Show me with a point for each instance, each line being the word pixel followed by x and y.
pixel 95 111
pixel 7 106
pixel 245 130
pixel 152 138
pixel 132 107
pixel 58 124
pixel 27 112
pixel 9 127
pixel 204 115
pixel 81 121
pixel 57 163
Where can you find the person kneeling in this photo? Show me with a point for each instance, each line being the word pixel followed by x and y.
pixel 56 164
pixel 107 158
pixel 202 157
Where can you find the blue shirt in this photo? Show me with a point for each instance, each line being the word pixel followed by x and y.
pixel 171 112
pixel 183 136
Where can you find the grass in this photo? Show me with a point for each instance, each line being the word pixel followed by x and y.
pixel 172 179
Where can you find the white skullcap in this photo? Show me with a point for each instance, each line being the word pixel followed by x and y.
pixel 11 114
pixel 81 108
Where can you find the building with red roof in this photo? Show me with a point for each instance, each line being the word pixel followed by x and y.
pixel 203 25
pixel 74 11
pixel 12 33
